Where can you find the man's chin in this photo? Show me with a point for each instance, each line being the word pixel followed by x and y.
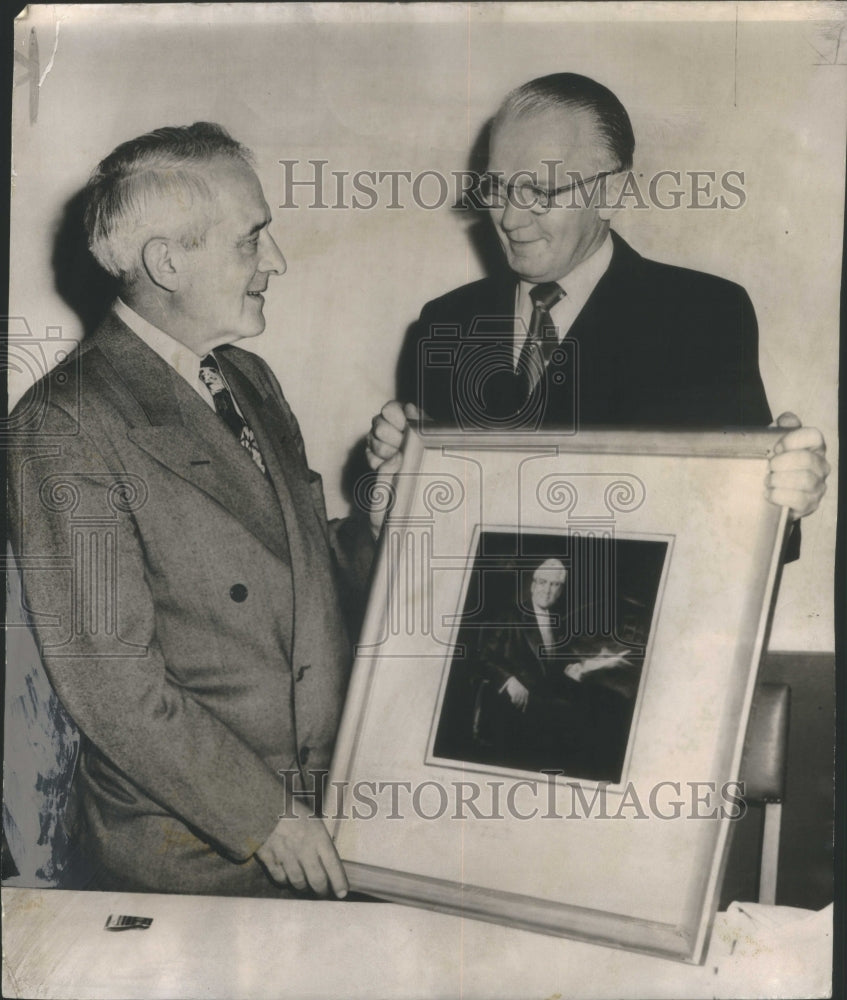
pixel 247 332
pixel 527 269
pixel 255 324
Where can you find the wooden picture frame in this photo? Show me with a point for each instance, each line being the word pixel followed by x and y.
pixel 627 853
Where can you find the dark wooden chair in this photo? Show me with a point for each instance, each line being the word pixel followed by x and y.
pixel 763 769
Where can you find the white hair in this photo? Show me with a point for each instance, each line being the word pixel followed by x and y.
pixel 155 186
pixel 553 565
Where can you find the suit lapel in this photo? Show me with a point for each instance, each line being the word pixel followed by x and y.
pixel 275 440
pixel 601 379
pixel 532 637
pixel 170 422
pixel 486 355
pixel 493 313
pixel 599 319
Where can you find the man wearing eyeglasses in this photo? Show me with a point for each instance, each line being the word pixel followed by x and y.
pixel 581 330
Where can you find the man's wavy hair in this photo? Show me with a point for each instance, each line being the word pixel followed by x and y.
pixel 154 185
pixel 570 91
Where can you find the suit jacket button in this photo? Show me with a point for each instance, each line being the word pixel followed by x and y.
pixel 304 755
pixel 238 592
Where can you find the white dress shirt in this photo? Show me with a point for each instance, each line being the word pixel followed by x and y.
pixel 181 358
pixel 577 285
pixel 545 625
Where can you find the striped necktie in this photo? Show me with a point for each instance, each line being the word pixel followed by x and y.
pixel 541 339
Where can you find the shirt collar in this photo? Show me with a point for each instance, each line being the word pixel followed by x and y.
pixel 542 614
pixel 578 284
pixel 183 360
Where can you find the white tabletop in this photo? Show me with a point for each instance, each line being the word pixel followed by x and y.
pixel 55 945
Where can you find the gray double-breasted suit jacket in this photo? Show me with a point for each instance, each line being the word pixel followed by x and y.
pixel 188 609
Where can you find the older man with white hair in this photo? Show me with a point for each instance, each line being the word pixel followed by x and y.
pixel 538 707
pixel 184 585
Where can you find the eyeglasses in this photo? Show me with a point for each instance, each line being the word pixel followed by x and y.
pixel 494 193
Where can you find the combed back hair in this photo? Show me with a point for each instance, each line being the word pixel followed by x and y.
pixel 154 185
pixel 552 566
pixel 571 91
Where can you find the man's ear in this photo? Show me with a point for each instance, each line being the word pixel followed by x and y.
pixel 612 201
pixel 162 262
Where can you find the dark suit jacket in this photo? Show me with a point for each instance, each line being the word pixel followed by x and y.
pixel 654 346
pixel 187 609
pixel 515 649
pixel 578 726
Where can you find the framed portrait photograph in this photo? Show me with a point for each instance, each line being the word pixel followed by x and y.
pixel 590 646
pixel 541 729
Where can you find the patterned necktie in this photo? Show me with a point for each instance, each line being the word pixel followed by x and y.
pixel 210 376
pixel 541 339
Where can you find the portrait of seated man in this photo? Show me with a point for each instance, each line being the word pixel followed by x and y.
pixel 548 667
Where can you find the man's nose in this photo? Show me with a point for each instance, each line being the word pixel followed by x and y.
pixel 515 216
pixel 271 259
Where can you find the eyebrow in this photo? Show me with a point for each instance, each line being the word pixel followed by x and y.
pixel 258 227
